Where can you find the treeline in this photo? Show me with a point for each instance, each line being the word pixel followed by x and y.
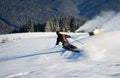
pixel 65 24
pixel 5 29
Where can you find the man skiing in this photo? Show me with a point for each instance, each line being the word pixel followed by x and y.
pixel 63 39
pixel 96 31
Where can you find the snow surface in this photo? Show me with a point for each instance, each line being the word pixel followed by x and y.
pixel 34 55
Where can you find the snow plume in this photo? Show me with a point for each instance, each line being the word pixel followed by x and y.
pixel 113 24
pixel 106 21
pixel 95 53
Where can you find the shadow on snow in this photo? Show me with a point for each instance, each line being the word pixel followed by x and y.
pixel 73 55
pixel 30 55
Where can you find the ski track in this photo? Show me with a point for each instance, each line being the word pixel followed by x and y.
pixel 17 75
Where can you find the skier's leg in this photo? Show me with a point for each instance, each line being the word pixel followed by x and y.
pixel 72 46
pixel 67 46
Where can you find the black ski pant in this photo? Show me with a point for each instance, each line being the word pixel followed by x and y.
pixel 69 46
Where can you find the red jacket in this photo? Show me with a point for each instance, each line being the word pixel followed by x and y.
pixel 62 38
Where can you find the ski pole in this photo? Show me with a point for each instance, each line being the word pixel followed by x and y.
pixel 77 41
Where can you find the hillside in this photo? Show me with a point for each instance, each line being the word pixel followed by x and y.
pixel 33 55
pixel 18 12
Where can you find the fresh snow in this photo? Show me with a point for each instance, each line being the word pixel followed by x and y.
pixel 34 55
pixel 106 21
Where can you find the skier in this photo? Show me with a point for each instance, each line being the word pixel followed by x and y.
pixel 96 31
pixel 63 39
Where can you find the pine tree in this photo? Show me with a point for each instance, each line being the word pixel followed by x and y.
pixel 72 24
pixel 62 28
pixel 47 27
pixel 23 28
pixel 41 26
pixel 56 24
pixel 51 25
pixel 30 26
pixel 66 24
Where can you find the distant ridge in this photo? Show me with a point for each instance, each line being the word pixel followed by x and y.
pixel 17 12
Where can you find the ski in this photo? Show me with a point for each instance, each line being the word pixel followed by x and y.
pixel 72 54
pixel 74 50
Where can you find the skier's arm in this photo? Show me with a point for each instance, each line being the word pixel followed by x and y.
pixel 57 42
pixel 67 36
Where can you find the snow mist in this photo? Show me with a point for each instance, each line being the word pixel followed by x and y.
pixel 106 21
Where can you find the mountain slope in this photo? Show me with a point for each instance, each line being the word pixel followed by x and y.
pixel 17 12
pixel 36 57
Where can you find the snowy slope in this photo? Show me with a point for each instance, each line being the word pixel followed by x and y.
pixel 106 21
pixel 36 57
